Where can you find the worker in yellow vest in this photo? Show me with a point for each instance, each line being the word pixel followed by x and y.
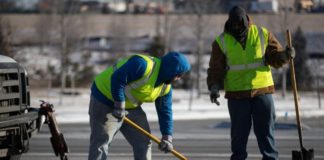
pixel 121 89
pixel 240 62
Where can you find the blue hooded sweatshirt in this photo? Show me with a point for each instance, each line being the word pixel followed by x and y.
pixel 172 64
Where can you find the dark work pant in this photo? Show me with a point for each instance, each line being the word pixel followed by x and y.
pixel 260 112
pixel 104 126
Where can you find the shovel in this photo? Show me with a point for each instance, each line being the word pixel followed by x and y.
pixel 303 154
pixel 152 137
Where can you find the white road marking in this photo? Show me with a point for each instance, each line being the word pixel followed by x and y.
pixel 184 136
pixel 192 155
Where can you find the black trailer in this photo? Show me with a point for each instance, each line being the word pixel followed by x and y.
pixel 18 120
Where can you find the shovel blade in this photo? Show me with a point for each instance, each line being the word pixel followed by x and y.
pixel 303 155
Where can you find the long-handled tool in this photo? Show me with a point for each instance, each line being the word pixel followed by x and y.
pixel 303 154
pixel 152 137
pixel 58 142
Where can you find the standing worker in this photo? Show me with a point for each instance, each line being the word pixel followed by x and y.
pixel 121 89
pixel 240 61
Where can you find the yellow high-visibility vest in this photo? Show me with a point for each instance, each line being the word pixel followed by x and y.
pixel 246 67
pixel 139 91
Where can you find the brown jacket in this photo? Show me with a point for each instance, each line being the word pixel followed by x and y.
pixel 274 56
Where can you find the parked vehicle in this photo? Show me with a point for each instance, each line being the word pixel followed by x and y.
pixel 304 5
pixel 18 120
pixel 264 6
pixel 318 6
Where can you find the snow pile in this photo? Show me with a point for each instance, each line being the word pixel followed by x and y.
pixel 74 109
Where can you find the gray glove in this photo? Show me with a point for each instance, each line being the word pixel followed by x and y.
pixel 119 110
pixel 214 94
pixel 290 52
pixel 166 143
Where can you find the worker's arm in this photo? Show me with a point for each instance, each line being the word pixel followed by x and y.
pixel 217 67
pixel 132 70
pixel 164 110
pixel 275 55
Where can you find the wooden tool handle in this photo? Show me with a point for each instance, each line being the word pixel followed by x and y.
pixel 294 87
pixel 155 139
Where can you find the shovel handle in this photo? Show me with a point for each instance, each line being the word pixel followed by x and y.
pixel 288 38
pixel 294 87
pixel 152 137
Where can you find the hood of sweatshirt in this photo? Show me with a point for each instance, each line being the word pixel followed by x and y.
pixel 172 64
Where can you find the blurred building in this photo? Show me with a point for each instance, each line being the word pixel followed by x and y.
pixel 70 6
pixel 159 6
pixel 264 6
pixel 17 6
pixel 137 44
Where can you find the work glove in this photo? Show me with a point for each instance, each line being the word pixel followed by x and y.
pixel 119 110
pixel 166 143
pixel 214 94
pixel 290 52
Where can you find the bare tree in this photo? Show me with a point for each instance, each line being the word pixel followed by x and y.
pixel 304 74
pixel 5 37
pixel 119 30
pixel 166 26
pixel 156 48
pixel 43 29
pixel 70 38
pixel 65 28
pixel 193 24
pixel 63 25
pixel 158 45
pixel 128 5
pixel 201 23
pixel 283 70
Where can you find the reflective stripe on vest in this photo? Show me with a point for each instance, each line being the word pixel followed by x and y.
pixel 136 84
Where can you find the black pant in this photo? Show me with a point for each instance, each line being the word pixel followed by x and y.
pixel 260 112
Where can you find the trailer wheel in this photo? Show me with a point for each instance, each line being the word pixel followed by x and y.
pixel 13 157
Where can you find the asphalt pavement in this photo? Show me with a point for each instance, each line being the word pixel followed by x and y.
pixel 196 139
